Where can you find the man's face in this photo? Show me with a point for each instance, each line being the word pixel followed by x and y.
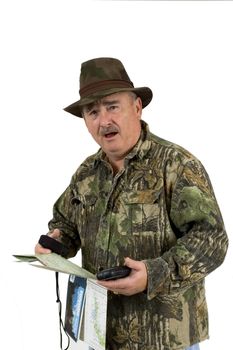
pixel 114 123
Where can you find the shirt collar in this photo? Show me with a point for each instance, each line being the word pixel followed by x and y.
pixel 143 144
pixel 139 150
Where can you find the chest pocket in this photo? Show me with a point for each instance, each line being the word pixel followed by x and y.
pixel 143 209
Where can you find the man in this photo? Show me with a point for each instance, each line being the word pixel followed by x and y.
pixel 146 203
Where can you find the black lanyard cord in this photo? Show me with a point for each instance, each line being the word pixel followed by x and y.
pixel 61 325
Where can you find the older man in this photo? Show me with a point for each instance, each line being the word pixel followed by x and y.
pixel 144 202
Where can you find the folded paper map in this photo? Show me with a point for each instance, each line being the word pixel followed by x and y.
pixel 57 263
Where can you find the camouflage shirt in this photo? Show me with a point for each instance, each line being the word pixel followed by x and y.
pixel 160 209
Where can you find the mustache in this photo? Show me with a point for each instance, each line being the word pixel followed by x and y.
pixel 104 130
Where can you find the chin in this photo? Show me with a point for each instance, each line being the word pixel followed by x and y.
pixel 111 152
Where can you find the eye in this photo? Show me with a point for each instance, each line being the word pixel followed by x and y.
pixel 113 107
pixel 93 113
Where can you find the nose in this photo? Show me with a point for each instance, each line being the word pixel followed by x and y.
pixel 104 117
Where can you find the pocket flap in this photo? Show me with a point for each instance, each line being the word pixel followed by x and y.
pixel 86 200
pixel 147 197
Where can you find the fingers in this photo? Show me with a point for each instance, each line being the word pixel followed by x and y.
pixel 135 283
pixel 115 286
pixel 39 249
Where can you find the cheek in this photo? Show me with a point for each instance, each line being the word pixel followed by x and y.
pixel 92 129
pixel 133 126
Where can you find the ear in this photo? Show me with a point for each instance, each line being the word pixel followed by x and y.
pixel 138 106
pixel 84 118
pixel 86 123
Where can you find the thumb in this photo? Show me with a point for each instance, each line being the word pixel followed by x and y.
pixel 56 233
pixel 133 264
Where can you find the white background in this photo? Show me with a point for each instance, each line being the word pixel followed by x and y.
pixel 182 50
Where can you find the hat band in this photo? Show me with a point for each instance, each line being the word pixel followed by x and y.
pixel 103 85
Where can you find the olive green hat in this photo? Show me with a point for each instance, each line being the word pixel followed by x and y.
pixel 104 76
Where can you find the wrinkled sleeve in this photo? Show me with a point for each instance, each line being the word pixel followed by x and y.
pixel 64 213
pixel 202 241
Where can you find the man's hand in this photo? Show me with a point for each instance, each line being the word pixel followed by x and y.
pixel 135 283
pixel 41 250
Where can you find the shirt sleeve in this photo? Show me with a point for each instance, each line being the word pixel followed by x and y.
pixel 64 219
pixel 202 241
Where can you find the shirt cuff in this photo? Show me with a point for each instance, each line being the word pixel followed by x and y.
pixel 158 274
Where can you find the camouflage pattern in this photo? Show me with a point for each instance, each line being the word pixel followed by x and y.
pixel 104 76
pixel 160 209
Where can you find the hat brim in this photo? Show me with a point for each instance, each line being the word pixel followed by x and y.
pixel 75 108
